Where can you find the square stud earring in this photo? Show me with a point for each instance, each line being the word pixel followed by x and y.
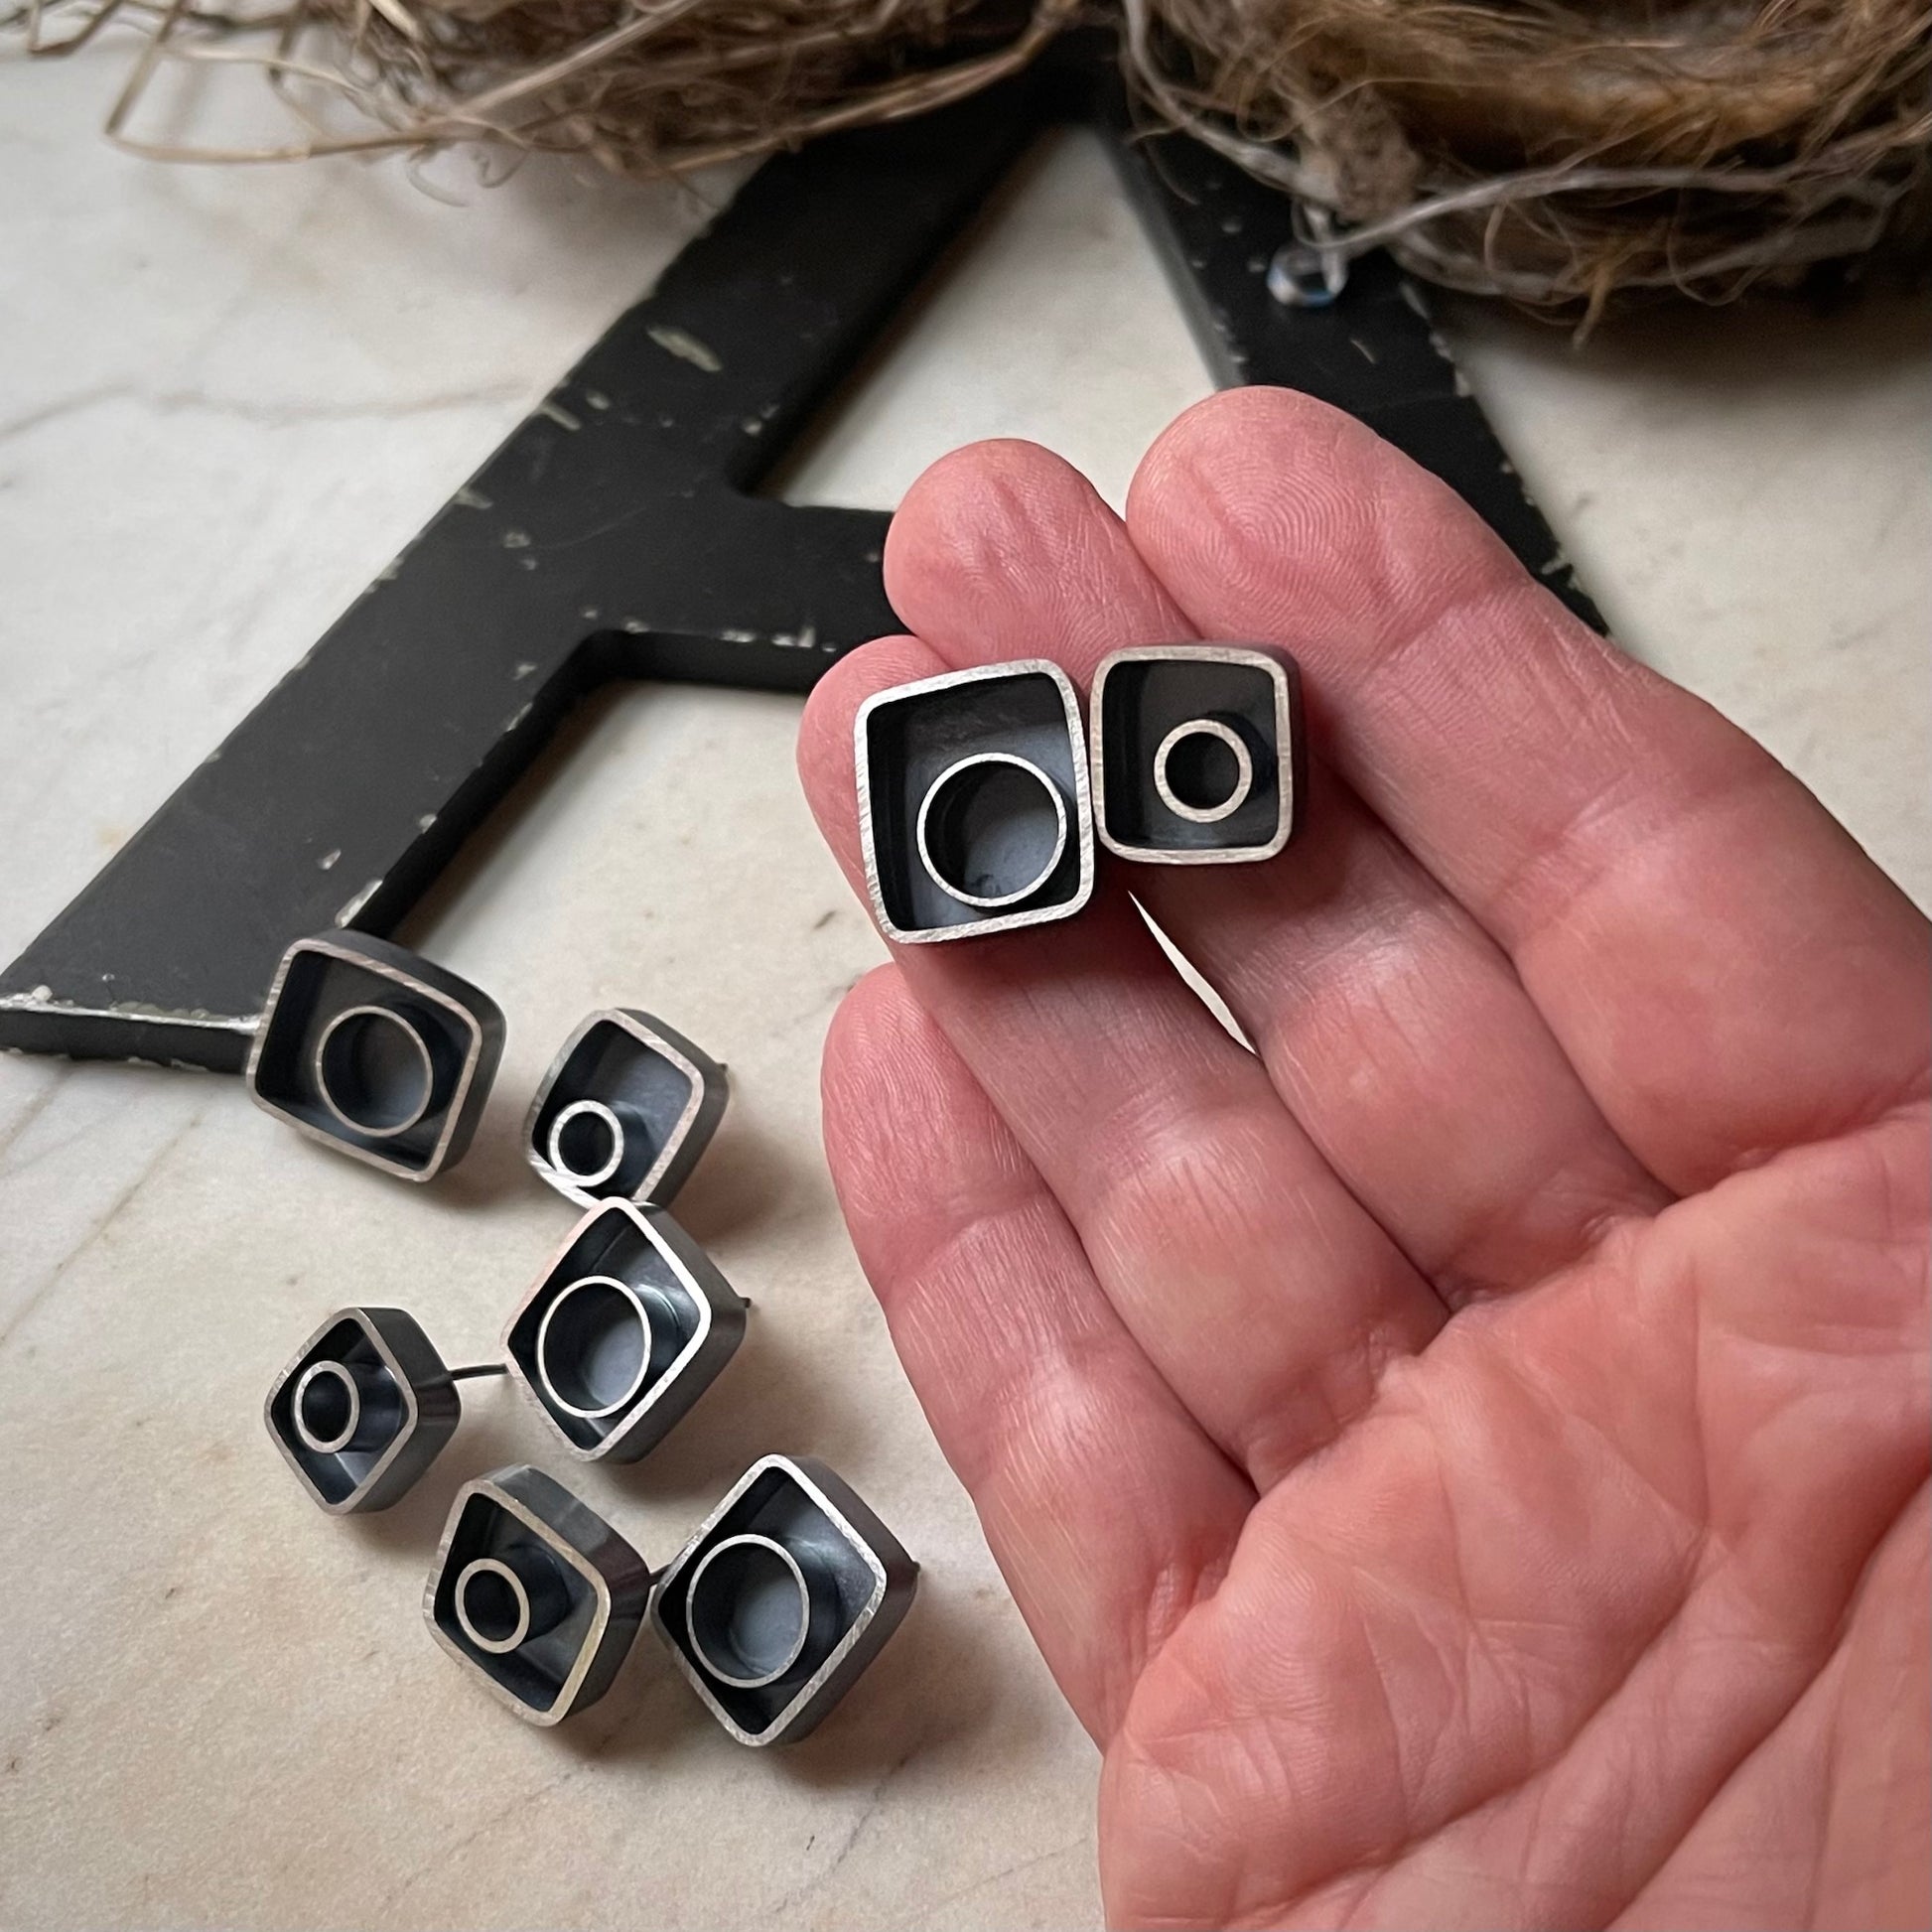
pixel 975 814
pixel 625 1109
pixel 622 1334
pixel 534 1594
pixel 375 1053
pixel 1197 753
pixel 363 1408
pixel 788 1591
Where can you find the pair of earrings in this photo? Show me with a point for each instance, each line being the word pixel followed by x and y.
pixel 772 1609
pixel 982 793
pixel 388 1057
pixel 629 1325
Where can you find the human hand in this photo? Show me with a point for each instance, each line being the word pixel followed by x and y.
pixel 1467 1464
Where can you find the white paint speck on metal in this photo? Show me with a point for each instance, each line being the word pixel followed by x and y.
pixel 687 349
pixel 351 906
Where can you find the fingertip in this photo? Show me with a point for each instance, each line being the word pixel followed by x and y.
pixel 1253 409
pixel 864 1020
pixel 880 1038
pixel 992 517
pixel 1283 430
pixel 825 729
pixel 872 1021
pixel 897 1101
pixel 1304 514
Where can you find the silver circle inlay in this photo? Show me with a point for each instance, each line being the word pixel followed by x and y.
pixel 705 1614
pixel 582 1114
pixel 949 781
pixel 328 1382
pixel 334 1056
pixel 556 1374
pixel 487 1574
pixel 1244 770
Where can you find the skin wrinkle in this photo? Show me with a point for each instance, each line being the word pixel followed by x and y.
pixel 1204 1152
pixel 1301 528
pixel 1489 610
pixel 1298 1406
pixel 1485 1629
pixel 949 1219
pixel 1903 1212
pixel 1711 1572
pixel 1274 1909
pixel 1278 1774
pixel 1900 1787
pixel 1452 1259
pixel 1044 1415
pixel 1586 848
pixel 1206 1073
pixel 1822 1689
pixel 1036 1422
pixel 1302 980
pixel 1693 1513
pixel 989 1246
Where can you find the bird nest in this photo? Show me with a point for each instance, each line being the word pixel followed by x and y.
pixel 1557 151
pixel 1554 152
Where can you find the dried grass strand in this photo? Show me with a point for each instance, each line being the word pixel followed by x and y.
pixel 649 87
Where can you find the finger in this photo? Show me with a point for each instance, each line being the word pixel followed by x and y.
pixel 1393 1025
pixel 1107 1509
pixel 1724 970
pixel 1399 1033
pixel 1203 1208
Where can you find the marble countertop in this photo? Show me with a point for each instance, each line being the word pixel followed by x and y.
pixel 227 397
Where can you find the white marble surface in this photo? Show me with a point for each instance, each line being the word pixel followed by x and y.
pixel 225 398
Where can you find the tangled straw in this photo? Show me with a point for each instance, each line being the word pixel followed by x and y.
pixel 646 88
pixel 1557 153
pixel 1553 152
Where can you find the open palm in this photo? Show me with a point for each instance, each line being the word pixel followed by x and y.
pixel 1465 1462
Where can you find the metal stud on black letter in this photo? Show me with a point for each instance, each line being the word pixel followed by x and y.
pixel 376 1051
